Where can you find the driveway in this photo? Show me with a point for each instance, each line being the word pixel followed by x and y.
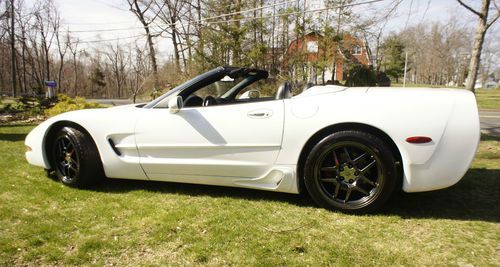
pixel 490 121
pixel 112 102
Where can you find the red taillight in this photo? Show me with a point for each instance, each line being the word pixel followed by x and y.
pixel 418 139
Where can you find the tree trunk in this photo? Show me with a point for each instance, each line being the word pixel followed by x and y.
pixel 176 47
pixel 75 81
pixel 476 54
pixel 152 56
pixel 481 29
pixel 13 48
pixel 152 53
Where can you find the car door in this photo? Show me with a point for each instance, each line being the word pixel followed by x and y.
pixel 215 142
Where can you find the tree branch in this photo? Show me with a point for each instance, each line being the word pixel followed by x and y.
pixel 470 9
pixel 493 20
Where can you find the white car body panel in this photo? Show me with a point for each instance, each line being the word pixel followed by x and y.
pixel 222 145
pixel 217 142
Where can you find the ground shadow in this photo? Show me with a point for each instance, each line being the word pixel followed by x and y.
pixel 123 186
pixel 490 137
pixel 475 197
pixel 12 137
pixel 10 125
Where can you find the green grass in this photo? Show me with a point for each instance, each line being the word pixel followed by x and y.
pixel 129 222
pixel 488 99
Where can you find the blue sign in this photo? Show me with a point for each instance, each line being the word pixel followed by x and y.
pixel 51 83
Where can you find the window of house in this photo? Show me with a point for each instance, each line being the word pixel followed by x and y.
pixel 312 47
pixel 356 50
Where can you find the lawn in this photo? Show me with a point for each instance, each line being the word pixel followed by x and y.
pixel 488 99
pixel 129 222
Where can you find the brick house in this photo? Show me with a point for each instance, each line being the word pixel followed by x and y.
pixel 351 51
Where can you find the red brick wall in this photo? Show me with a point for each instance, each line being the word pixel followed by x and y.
pixel 348 42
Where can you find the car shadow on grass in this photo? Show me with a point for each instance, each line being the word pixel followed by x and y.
pixel 12 137
pixel 474 198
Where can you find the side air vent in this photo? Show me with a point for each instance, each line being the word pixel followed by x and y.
pixel 112 144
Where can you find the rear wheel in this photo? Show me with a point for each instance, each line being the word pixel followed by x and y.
pixel 351 171
pixel 75 158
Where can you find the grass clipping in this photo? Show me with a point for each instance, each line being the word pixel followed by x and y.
pixel 66 103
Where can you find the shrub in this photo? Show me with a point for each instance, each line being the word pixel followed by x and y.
pixel 383 79
pixel 66 103
pixel 26 106
pixel 361 76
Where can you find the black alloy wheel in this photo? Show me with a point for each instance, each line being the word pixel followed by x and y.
pixel 67 160
pixel 350 171
pixel 75 158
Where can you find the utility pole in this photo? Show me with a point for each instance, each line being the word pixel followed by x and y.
pixel 13 48
pixel 406 68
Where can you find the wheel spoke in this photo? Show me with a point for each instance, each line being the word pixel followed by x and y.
pixel 347 195
pixel 337 163
pixel 337 189
pixel 367 167
pixel 73 167
pixel 60 145
pixel 359 158
pixel 347 155
pixel 329 180
pixel 329 169
pixel 368 181
pixel 64 144
pixel 363 191
pixel 62 167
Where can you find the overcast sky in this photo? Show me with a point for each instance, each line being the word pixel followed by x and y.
pixel 91 15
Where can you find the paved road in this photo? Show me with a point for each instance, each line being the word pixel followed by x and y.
pixel 490 121
pixel 112 102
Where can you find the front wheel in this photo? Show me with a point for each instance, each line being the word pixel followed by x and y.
pixel 350 171
pixel 75 158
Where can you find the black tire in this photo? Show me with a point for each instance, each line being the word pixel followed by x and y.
pixel 350 171
pixel 75 159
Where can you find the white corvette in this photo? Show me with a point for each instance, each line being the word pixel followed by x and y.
pixel 349 148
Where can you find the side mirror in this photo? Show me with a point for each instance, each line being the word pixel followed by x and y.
pixel 175 104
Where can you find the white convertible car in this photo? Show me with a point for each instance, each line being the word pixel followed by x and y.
pixel 349 148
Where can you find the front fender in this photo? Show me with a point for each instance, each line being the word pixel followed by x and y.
pixel 102 125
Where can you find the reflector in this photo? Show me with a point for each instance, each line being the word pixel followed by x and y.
pixel 418 139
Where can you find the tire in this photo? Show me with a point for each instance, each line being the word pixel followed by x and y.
pixel 350 171
pixel 75 159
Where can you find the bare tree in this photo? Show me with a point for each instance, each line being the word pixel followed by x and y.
pixel 73 48
pixel 45 18
pixel 139 72
pixel 484 23
pixel 140 9
pixel 62 48
pixel 118 59
pixel 169 12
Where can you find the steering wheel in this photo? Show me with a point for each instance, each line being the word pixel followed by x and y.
pixel 209 101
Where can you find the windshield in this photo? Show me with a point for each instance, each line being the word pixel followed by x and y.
pixel 183 86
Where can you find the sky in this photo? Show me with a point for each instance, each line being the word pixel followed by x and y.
pixel 92 15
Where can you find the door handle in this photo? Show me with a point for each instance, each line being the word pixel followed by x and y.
pixel 260 114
